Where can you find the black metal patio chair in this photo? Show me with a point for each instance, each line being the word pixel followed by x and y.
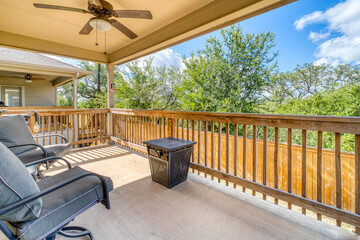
pixel 16 135
pixel 32 210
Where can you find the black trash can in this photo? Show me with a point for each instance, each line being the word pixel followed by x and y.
pixel 169 160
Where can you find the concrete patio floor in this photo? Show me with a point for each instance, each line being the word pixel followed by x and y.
pixel 196 209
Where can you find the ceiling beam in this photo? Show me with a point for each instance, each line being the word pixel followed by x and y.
pixel 22 42
pixel 213 16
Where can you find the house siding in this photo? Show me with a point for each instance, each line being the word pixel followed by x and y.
pixel 37 93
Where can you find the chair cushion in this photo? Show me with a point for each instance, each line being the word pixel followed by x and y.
pixel 14 131
pixel 16 183
pixel 59 150
pixel 62 205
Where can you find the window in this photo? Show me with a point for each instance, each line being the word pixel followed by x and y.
pixel 11 96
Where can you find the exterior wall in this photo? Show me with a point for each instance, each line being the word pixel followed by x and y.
pixel 37 93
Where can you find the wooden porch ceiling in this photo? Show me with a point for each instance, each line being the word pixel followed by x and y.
pixel 23 26
pixel 196 209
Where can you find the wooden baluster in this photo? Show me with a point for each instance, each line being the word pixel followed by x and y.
pixel 49 129
pixel 73 127
pixel 212 148
pixel 141 130
pixel 97 124
pixel 164 126
pixel 43 128
pixel 289 163
pixel 235 150
pixel 182 128
pixel 206 143
pixel 178 126
pixel 244 152
pixel 92 126
pixel 187 129
pixel 193 137
pixel 87 125
pixel 55 128
pixel 125 127
pixel 303 167
pixel 357 178
pixel 265 159
pixel 82 127
pixel 78 128
pixel 100 123
pixel 227 150
pixel 199 143
pixel 219 149
pixel 319 170
pixel 338 173
pixel 160 128
pixel 254 155
pixel 148 128
pixel 276 162
pixel 154 128
pixel 132 129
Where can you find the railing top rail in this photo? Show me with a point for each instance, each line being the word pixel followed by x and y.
pixel 48 112
pixel 316 123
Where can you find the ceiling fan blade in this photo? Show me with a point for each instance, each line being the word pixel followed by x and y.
pixel 86 29
pixel 130 34
pixel 17 77
pixel 55 7
pixel 95 2
pixel 133 14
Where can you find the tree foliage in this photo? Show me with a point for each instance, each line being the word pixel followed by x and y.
pixel 230 73
pixel 145 86
pixel 88 94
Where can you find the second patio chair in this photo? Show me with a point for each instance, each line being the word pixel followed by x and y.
pixel 16 135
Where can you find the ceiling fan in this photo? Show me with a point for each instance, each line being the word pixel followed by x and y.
pixel 29 78
pixel 103 11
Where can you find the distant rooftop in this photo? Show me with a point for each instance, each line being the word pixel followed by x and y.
pixel 31 58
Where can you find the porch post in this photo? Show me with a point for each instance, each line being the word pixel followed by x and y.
pixel 75 78
pixel 110 95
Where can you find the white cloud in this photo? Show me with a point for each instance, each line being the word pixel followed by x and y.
pixel 343 23
pixel 314 17
pixel 315 37
pixel 167 57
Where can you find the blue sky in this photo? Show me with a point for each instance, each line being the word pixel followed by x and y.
pixel 294 46
pixel 307 31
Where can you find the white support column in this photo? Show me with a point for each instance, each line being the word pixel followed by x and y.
pixel 110 95
pixel 75 78
pixel 110 83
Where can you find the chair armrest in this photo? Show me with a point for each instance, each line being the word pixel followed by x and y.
pixel 56 187
pixel 46 160
pixel 52 135
pixel 31 144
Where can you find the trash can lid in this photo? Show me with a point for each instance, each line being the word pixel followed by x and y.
pixel 169 143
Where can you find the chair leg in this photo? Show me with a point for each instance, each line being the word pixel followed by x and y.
pixel 75 232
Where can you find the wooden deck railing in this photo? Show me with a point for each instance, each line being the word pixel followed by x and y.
pixel 243 156
pixel 270 156
pixel 81 127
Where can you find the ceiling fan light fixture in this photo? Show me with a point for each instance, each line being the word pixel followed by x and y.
pixel 28 80
pixel 100 24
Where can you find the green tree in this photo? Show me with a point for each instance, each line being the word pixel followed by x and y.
pixel 89 95
pixel 230 73
pixel 147 86
pixel 308 80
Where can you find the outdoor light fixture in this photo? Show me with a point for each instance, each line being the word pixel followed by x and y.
pixel 28 80
pixel 100 24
